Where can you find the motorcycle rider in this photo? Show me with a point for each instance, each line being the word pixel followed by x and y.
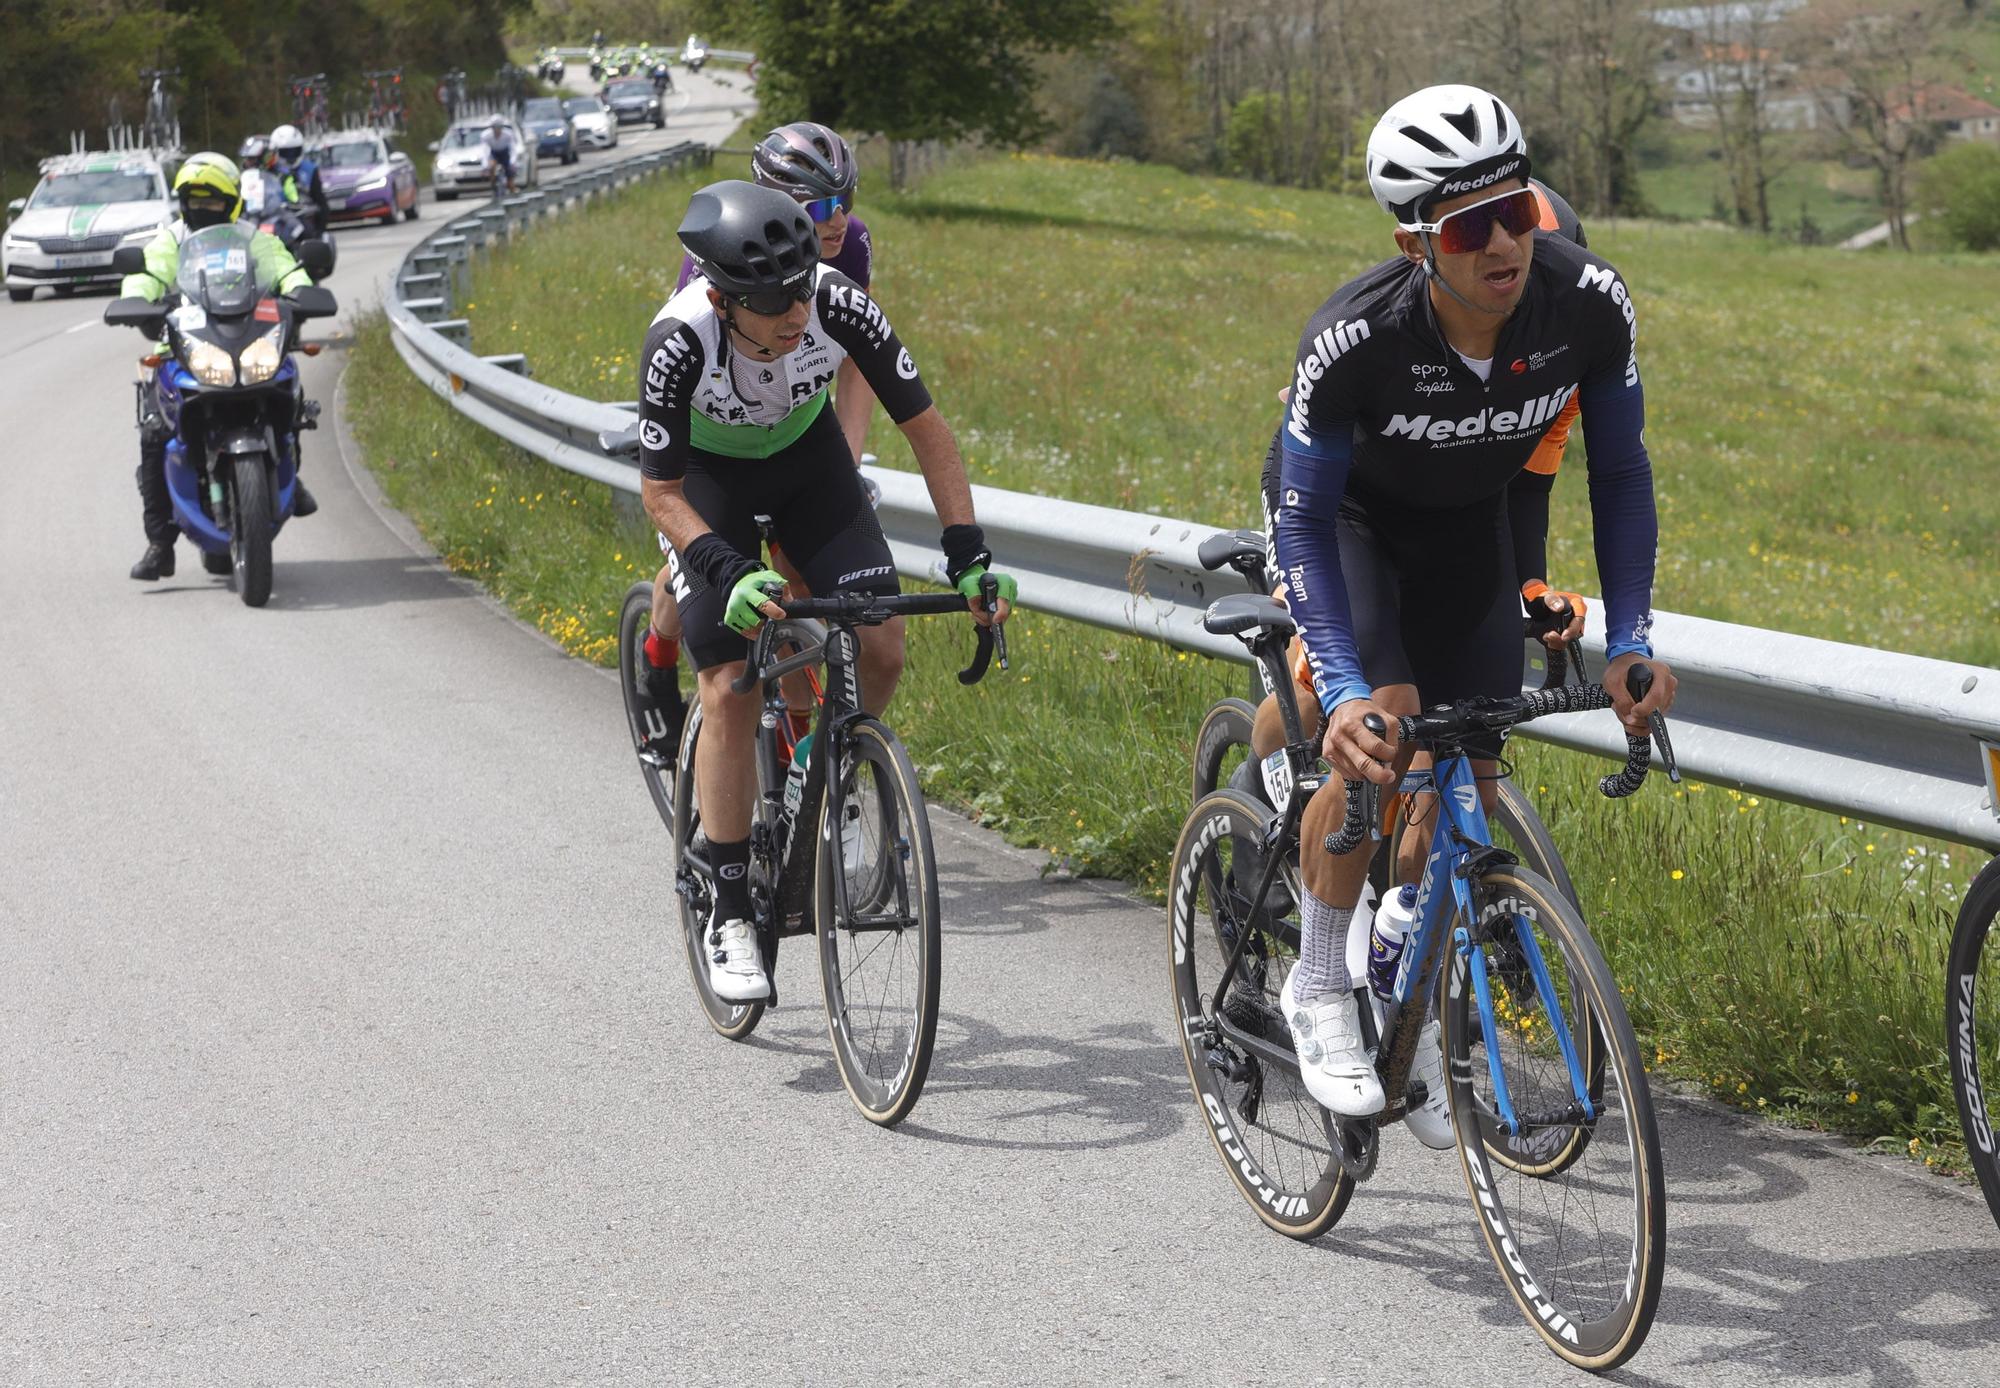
pixel 260 193
pixel 501 150
pixel 209 191
pixel 299 177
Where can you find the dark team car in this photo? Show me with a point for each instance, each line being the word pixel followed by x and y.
pixel 547 124
pixel 634 102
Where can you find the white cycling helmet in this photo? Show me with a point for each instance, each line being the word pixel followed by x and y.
pixel 499 122
pixel 1441 142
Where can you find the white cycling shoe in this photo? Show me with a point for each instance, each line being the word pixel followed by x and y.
pixel 736 964
pixel 1326 1033
pixel 1431 1123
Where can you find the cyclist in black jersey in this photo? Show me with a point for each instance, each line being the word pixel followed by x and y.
pixel 1423 388
pixel 1559 614
pixel 733 424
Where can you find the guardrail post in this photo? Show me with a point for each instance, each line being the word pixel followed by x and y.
pixel 430 262
pixel 427 310
pixel 516 362
pixel 457 331
pixel 428 287
pixel 472 230
pixel 496 222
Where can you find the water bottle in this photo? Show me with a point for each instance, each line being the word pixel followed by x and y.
pixel 795 777
pixel 1385 941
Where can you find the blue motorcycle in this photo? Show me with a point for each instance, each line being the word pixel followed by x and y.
pixel 229 393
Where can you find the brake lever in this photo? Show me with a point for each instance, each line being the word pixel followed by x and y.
pixel 1637 681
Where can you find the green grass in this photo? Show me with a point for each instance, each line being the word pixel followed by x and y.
pixel 1822 429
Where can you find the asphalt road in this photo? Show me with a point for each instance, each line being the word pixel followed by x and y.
pixel 346 1039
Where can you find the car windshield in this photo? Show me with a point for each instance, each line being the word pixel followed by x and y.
pixel 584 105
pixel 631 89
pixel 547 108
pixel 463 136
pixel 218 271
pixel 353 154
pixel 101 186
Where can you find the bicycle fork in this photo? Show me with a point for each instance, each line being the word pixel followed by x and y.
pixel 1472 955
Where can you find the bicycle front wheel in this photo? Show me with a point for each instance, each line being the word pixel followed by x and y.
pixel 1576 1227
pixel 876 913
pixel 1275 1142
pixel 1972 1026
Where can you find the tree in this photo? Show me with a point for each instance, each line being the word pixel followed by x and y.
pixel 1875 91
pixel 914 69
pixel 1959 189
pixel 1738 59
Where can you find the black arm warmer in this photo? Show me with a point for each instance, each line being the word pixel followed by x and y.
pixel 716 561
pixel 964 548
pixel 1528 520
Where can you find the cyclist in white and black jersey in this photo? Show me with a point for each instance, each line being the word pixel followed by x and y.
pixel 502 150
pixel 1423 388
pixel 734 423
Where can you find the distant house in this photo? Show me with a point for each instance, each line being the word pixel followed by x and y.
pixel 1957 113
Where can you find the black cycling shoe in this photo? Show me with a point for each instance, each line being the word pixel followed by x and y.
pixel 302 500
pixel 217 564
pixel 156 563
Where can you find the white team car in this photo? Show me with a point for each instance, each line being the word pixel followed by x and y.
pixel 461 160
pixel 85 207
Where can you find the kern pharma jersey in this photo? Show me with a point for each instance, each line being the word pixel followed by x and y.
pixel 696 391
pixel 1385 416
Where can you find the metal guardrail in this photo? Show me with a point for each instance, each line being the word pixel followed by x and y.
pixel 673 52
pixel 1888 738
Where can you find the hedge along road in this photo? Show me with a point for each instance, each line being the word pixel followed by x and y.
pixel 346 1038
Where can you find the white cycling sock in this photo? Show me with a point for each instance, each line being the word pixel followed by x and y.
pixel 1322 949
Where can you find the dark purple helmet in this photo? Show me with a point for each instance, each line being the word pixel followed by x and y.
pixel 806 160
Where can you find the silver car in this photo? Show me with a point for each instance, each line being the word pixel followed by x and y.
pixel 85 207
pixel 461 160
pixel 596 127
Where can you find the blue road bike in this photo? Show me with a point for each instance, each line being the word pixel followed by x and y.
pixel 1556 1135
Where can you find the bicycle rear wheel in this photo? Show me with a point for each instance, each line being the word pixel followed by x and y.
pixel 1576 1228
pixel 1223 743
pixel 1972 1026
pixel 652 736
pixel 734 1020
pixel 876 913
pixel 1275 1142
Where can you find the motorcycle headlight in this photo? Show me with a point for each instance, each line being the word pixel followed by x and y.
pixel 260 359
pixel 211 364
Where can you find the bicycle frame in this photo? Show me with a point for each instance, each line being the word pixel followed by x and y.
pixel 1462 844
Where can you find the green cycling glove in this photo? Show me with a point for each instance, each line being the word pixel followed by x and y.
pixel 968 583
pixel 756 587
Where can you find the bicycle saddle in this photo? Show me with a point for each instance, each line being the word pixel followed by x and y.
pixel 1242 612
pixel 1233 547
pixel 620 443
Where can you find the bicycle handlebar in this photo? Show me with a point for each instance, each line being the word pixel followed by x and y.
pixel 1487 715
pixel 872 609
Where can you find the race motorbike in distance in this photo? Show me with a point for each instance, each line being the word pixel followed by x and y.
pixel 228 392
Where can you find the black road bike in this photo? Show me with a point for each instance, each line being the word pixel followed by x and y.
pixel 843 854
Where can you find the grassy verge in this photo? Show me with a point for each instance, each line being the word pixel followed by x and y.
pixel 1114 334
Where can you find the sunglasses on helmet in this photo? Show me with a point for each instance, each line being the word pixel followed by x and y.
pixel 822 209
pixel 1470 228
pixel 774 303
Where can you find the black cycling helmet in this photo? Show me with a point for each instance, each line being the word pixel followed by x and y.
pixel 806 160
pixel 747 239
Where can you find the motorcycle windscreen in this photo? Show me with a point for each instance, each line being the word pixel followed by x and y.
pixel 219 272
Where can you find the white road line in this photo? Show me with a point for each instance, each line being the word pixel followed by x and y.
pixel 86 323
